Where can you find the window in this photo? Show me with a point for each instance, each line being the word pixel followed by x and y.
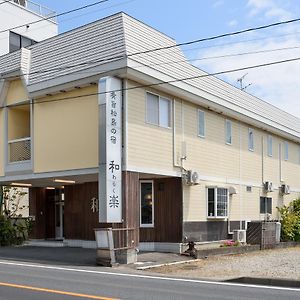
pixel 147 204
pixel 286 150
pixel 158 110
pixel 228 130
pixel 17 41
pixel 265 205
pixel 201 123
pixel 217 202
pixel 270 145
pixel 250 139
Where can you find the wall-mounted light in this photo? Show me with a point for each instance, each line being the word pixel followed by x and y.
pixel 50 188
pixel 21 184
pixel 64 181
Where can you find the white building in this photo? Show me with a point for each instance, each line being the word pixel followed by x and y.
pixel 16 30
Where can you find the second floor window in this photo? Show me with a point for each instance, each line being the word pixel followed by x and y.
pixel 250 139
pixel 286 150
pixel 158 110
pixel 228 132
pixel 201 123
pixel 270 145
pixel 17 41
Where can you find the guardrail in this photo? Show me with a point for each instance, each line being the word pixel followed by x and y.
pixel 38 9
pixel 19 150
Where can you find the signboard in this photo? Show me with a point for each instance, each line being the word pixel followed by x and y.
pixel 110 150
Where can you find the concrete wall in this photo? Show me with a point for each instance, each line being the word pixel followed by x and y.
pixel 13 15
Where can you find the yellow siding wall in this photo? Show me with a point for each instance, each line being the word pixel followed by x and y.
pixel 16 92
pixel 1 142
pixel 150 146
pixel 66 132
pixel 18 123
pixel 218 164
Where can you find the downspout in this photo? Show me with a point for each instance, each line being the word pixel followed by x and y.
pixel 240 175
pixel 262 161
pixel 175 164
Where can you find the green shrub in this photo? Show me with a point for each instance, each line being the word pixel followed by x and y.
pixel 290 221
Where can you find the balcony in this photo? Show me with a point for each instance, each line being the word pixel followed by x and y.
pixel 19 150
pixel 38 9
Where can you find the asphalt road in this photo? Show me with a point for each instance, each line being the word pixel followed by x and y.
pixel 31 281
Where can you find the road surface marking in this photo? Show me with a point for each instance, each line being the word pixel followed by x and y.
pixel 36 289
pixel 3 262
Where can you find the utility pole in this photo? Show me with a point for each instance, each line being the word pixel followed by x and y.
pixel 240 80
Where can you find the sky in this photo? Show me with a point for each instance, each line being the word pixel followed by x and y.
pixel 195 19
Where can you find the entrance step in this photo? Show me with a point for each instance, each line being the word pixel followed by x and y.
pixel 45 243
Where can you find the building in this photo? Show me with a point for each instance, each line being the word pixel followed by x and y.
pixel 109 125
pixel 24 23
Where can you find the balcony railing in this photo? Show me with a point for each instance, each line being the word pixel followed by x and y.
pixel 38 9
pixel 19 150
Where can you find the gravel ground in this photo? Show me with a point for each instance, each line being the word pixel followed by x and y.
pixel 279 263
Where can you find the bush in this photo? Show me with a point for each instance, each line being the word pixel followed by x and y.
pixel 290 221
pixel 14 231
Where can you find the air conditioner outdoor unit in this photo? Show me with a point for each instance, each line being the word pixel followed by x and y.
pixel 191 177
pixel 268 185
pixel 285 189
pixel 239 235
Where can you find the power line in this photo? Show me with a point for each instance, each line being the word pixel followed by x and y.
pixel 218 36
pixel 91 62
pixel 163 82
pixel 57 15
pixel 4 1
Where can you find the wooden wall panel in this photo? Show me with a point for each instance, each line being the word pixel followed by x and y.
pixel 37 208
pixel 80 221
pixel 167 212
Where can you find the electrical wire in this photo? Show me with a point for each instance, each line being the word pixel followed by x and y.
pixel 218 36
pixel 92 62
pixel 56 15
pixel 5 1
pixel 163 82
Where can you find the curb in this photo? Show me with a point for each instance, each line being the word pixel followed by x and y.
pixel 168 264
pixel 266 281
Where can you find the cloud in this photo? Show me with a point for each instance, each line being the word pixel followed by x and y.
pixel 277 84
pixel 233 23
pixel 269 9
pixel 218 3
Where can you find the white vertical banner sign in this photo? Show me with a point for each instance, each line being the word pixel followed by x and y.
pixel 110 150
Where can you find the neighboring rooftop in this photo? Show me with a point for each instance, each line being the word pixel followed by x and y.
pixel 37 8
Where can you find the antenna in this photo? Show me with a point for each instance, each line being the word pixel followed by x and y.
pixel 240 80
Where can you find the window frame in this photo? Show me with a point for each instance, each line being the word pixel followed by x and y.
pixel 270 145
pixel 226 132
pixel 159 100
pixel 21 40
pixel 251 143
pixel 152 223
pixel 265 199
pixel 198 123
pixel 215 188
